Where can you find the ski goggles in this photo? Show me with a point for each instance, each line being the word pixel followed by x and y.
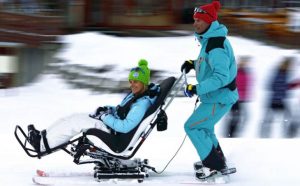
pixel 201 11
pixel 137 69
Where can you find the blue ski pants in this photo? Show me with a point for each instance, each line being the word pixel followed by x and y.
pixel 200 126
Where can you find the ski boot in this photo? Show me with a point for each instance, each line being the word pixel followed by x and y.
pixel 34 137
pixel 204 173
pixel 211 176
pixel 198 166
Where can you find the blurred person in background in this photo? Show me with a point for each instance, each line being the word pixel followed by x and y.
pixel 238 113
pixel 293 128
pixel 277 105
pixel 216 71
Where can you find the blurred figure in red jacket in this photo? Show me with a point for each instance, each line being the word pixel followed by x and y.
pixel 238 113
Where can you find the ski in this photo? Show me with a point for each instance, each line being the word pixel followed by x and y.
pixel 48 178
pixel 43 173
pixel 221 177
pixel 77 181
pixel 228 171
pixel 74 181
pixel 213 180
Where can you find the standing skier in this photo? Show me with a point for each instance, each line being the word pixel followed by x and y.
pixel 216 71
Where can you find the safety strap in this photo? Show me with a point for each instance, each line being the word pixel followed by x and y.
pixel 44 133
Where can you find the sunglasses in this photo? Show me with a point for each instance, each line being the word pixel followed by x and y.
pixel 201 11
pixel 137 69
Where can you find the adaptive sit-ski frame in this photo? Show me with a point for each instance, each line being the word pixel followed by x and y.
pixel 116 163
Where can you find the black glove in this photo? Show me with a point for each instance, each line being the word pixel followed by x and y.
pixel 98 116
pixel 190 90
pixel 187 66
pixel 98 111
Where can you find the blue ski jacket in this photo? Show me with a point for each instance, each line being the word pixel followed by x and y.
pixel 134 116
pixel 215 69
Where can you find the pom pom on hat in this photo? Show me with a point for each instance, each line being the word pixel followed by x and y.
pixel 140 73
pixel 209 13
pixel 143 62
pixel 217 5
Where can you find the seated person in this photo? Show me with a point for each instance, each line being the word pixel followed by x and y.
pixel 122 118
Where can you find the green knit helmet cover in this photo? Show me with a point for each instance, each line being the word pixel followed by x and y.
pixel 140 73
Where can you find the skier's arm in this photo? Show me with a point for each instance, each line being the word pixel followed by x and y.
pixel 133 118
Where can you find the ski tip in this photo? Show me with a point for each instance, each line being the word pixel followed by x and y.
pixel 41 173
pixel 36 181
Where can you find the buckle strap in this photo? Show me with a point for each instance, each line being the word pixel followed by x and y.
pixel 44 133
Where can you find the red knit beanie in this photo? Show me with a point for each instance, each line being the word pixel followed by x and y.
pixel 208 12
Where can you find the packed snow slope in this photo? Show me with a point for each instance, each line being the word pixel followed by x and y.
pixel 272 161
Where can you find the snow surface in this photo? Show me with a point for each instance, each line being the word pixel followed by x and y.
pixel 273 161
